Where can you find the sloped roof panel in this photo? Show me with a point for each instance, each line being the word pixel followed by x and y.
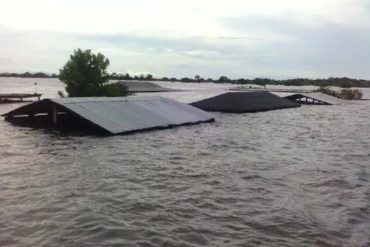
pixel 239 102
pixel 128 114
pixel 144 87
pixel 325 98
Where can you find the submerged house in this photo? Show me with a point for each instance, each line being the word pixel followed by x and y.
pixel 119 115
pixel 314 99
pixel 144 87
pixel 241 102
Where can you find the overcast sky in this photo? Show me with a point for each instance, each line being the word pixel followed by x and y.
pixel 237 38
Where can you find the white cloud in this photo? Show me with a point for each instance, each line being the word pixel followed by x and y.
pixel 178 16
pixel 187 37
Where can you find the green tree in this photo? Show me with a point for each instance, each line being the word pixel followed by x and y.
pixel 149 77
pixel 346 84
pixel 224 79
pixel 85 74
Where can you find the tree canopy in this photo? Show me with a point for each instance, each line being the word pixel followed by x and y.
pixel 85 74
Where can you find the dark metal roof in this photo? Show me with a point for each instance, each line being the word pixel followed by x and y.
pixel 326 99
pixel 144 87
pixel 123 114
pixel 239 102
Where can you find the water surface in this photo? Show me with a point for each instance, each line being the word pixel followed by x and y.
pixel 292 177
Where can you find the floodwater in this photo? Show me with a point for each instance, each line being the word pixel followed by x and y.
pixel 292 177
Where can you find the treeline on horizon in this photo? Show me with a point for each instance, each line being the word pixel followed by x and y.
pixel 343 82
pixel 28 75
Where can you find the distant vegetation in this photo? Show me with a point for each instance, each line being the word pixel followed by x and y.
pixel 85 74
pixel 343 82
pixel 349 94
pixel 28 75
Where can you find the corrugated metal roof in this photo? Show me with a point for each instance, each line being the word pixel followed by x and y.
pixel 128 114
pixel 239 102
pixel 319 96
pixel 144 87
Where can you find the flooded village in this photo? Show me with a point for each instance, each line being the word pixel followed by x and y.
pixel 184 123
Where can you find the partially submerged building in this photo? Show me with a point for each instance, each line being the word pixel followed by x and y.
pixel 315 98
pixel 240 102
pixel 119 115
pixel 144 87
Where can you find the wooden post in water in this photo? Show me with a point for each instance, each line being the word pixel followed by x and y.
pixel 31 116
pixel 55 114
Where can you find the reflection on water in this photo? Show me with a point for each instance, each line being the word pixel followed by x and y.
pixel 294 177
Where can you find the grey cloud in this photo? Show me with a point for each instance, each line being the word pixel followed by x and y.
pixel 197 46
pixel 266 46
pixel 184 56
pixel 140 42
pixel 325 48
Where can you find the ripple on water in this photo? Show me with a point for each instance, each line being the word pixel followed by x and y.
pixel 295 177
